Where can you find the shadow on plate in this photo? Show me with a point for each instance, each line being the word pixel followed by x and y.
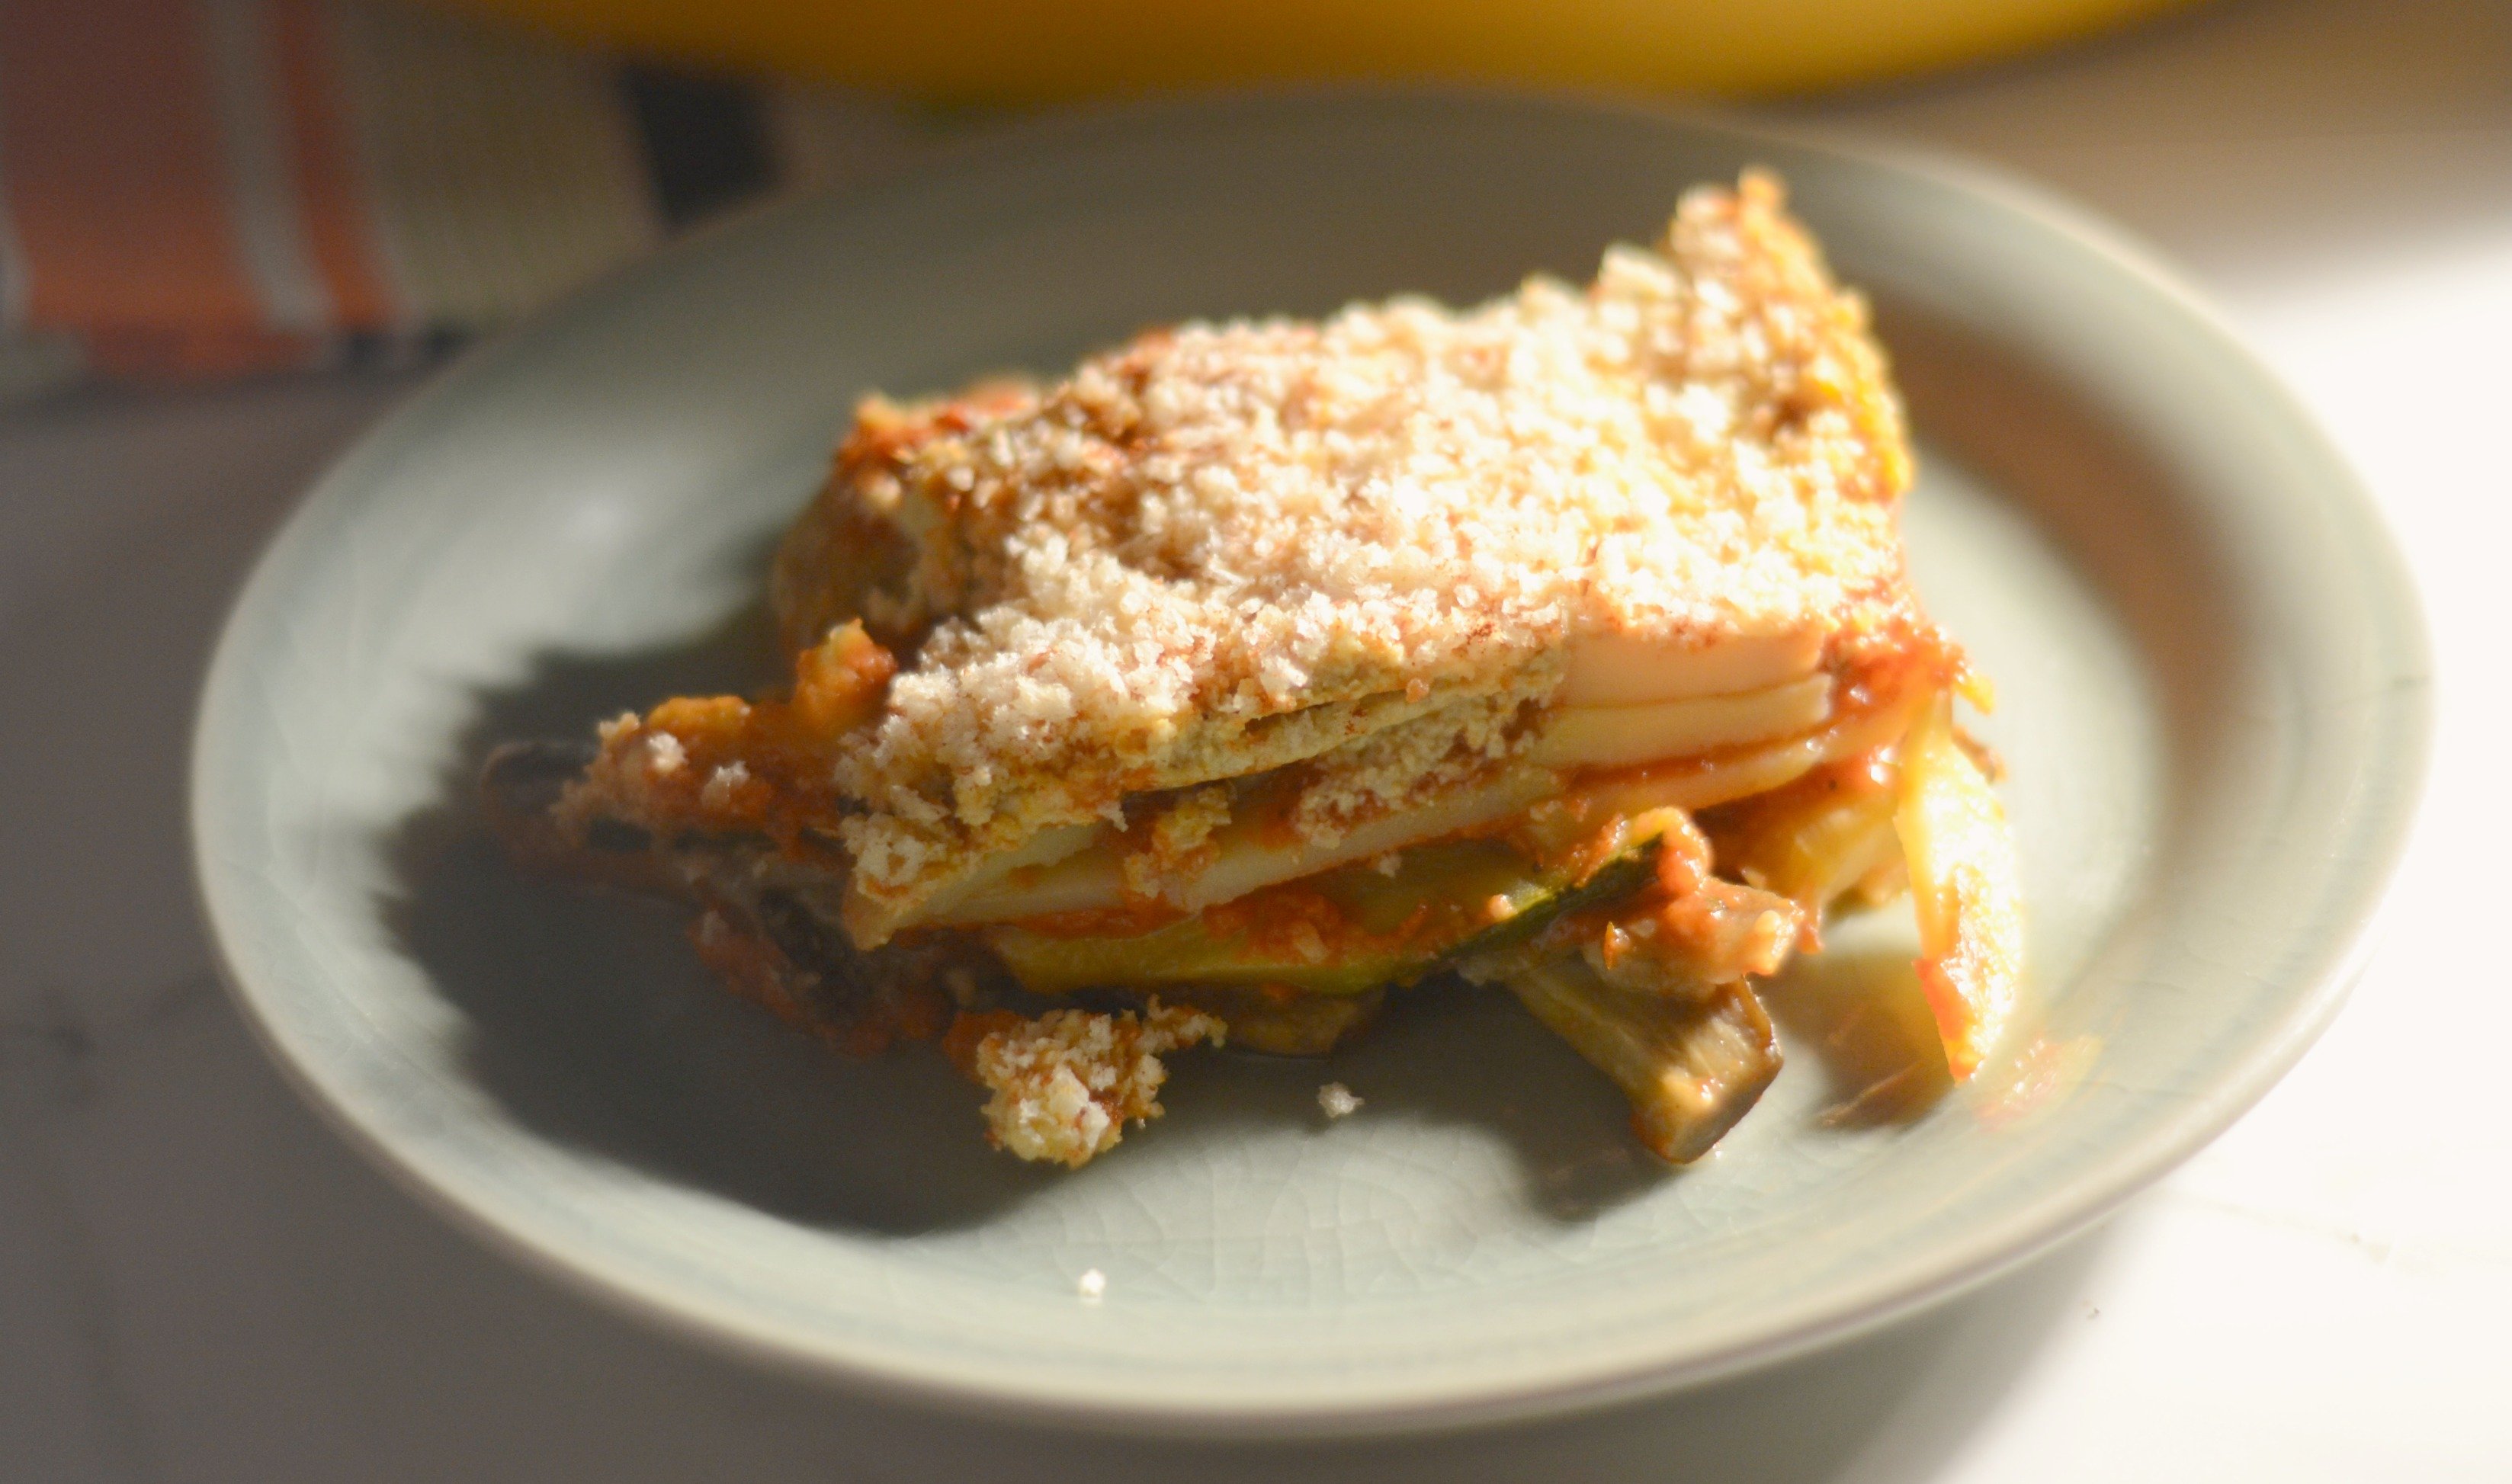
pixel 590 1020
pixel 1861 1016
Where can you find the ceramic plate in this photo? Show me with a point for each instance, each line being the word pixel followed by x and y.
pixel 2214 704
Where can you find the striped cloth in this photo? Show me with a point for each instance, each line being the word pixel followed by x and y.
pixel 198 188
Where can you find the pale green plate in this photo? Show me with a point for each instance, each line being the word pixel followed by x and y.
pixel 2214 705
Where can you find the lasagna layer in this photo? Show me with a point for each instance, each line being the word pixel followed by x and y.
pixel 1256 668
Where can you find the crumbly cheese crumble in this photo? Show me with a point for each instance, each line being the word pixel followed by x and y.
pixel 1066 1083
pixel 1232 546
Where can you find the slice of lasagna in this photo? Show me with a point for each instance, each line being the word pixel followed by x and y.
pixel 1259 668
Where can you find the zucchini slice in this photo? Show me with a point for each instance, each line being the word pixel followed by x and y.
pixel 1346 931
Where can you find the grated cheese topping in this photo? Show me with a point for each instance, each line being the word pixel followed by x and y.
pixel 1232 546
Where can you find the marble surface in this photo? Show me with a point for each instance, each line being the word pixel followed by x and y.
pixel 199 1283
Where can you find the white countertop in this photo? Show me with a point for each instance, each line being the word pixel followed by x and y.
pixel 198 1281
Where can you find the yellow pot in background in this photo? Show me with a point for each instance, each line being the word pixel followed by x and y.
pixel 1030 51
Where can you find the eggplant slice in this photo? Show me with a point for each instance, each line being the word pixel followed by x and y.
pixel 1691 1066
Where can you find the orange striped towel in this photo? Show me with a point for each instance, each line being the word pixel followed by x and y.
pixel 195 188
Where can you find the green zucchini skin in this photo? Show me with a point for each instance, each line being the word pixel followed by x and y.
pixel 1190 954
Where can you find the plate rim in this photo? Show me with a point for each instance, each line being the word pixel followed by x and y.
pixel 2387 816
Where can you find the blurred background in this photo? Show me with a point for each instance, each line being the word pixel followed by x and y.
pixel 202 188
pixel 234 233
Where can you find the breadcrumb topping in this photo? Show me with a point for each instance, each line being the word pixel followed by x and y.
pixel 1232 546
pixel 1066 1083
